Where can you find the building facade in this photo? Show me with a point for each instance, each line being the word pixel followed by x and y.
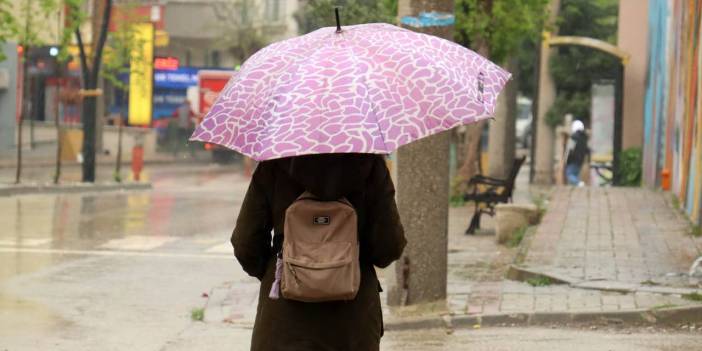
pixel 631 37
pixel 672 157
pixel 222 33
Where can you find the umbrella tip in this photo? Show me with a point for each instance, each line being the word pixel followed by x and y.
pixel 338 22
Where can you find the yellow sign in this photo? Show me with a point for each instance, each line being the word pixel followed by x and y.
pixel 141 77
pixel 162 38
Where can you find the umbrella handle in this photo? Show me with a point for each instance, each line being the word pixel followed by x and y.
pixel 338 22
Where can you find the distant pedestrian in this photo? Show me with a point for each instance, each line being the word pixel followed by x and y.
pixel 578 151
pixel 343 181
pixel 184 119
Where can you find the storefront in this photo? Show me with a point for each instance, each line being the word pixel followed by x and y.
pixel 170 90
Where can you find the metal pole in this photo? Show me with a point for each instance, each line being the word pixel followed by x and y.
pixel 618 113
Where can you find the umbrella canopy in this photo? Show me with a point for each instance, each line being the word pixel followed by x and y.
pixel 367 89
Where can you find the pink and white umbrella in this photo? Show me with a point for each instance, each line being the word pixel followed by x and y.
pixel 367 89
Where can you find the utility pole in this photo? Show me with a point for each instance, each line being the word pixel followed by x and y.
pixel 423 196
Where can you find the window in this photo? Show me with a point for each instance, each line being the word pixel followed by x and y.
pixel 274 9
pixel 215 58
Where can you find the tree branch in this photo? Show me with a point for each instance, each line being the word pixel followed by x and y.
pixel 83 58
pixel 104 26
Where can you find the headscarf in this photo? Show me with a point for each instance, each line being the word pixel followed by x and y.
pixel 576 126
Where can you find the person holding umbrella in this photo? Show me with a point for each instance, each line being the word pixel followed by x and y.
pixel 318 111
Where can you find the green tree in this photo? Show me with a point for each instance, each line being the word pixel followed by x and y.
pixel 497 29
pixel 122 46
pixel 575 69
pixel 26 27
pixel 90 69
pixel 8 25
pixel 241 28
pixel 315 14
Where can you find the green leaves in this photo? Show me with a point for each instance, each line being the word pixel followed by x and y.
pixel 25 22
pixel 575 69
pixel 630 167
pixel 8 25
pixel 320 13
pixel 75 16
pixel 501 25
pixel 123 45
pixel 239 28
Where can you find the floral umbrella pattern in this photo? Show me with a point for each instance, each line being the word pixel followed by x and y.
pixel 367 89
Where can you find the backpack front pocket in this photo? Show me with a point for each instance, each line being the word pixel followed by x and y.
pixel 315 272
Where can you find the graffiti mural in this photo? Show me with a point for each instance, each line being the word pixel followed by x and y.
pixel 673 102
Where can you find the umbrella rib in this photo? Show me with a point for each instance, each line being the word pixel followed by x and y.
pixel 274 89
pixel 354 57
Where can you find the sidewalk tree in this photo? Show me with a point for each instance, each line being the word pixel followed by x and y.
pixel 90 69
pixel 490 28
pixel 122 46
pixel 574 68
pixel 65 29
pixel 315 14
pixel 26 26
pixel 422 179
pixel 240 26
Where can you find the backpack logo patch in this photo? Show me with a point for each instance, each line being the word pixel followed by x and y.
pixel 321 220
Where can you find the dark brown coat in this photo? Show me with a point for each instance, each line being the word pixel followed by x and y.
pixel 287 325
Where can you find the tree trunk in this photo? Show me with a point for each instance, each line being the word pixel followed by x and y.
pixel 89 107
pixel 25 111
pixel 471 141
pixel 57 124
pixel 25 92
pixel 90 79
pixel 118 165
pixel 422 198
pixel 545 96
pixel 502 140
pixel 471 159
pixel 18 173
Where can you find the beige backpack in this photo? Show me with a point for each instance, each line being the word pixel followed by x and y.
pixel 319 261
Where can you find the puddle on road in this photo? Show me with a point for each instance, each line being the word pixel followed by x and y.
pixel 90 221
pixel 20 317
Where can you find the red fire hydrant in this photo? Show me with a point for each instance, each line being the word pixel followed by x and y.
pixel 137 161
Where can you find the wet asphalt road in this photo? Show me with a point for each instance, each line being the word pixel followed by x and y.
pixel 121 271
pixel 111 271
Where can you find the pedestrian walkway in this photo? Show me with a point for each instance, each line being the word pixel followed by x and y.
pixel 478 291
pixel 626 237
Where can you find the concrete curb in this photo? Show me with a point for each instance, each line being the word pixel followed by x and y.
pixel 125 163
pixel 520 273
pixel 27 189
pixel 663 317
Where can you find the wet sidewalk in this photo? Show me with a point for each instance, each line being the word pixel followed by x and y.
pixel 626 239
pixel 479 293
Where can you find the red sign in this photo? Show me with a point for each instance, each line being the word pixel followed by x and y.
pixel 211 83
pixel 166 63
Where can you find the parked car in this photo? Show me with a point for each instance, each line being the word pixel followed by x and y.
pixel 524 118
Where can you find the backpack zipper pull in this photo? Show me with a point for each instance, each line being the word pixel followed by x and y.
pixel 294 274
